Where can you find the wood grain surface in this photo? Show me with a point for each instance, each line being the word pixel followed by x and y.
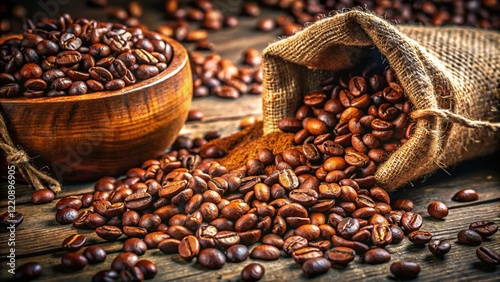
pixel 39 237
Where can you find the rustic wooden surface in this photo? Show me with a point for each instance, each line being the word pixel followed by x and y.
pixel 39 237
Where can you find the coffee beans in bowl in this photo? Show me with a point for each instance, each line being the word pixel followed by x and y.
pixel 94 88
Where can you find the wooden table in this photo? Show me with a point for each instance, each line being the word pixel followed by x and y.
pixel 39 237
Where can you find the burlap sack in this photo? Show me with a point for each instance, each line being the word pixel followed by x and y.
pixel 450 74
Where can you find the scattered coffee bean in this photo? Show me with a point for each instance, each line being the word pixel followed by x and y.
pixel 74 261
pixel 42 196
pixel 148 268
pixel 484 228
pixel 95 254
pixel 439 247
pixel 28 271
pixel 405 269
pixel 7 219
pixel 437 210
pixel 316 266
pixel 465 195
pixel 252 272
pixel 211 258
pixel 469 237
pixel 376 256
pixel 237 253
pixel 488 256
pixel 74 242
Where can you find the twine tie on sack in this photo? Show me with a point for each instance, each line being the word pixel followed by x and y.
pixel 21 160
pixel 455 118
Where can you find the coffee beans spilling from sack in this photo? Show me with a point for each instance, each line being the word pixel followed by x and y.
pixel 77 56
pixel 317 204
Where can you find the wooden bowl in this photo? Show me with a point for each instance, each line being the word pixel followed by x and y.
pixel 85 137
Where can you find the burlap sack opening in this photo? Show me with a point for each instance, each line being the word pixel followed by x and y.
pixel 450 74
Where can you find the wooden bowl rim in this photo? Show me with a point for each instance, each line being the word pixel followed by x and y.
pixel 179 60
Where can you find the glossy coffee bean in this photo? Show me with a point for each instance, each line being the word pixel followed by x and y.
pixel 28 271
pixel 42 196
pixel 316 266
pixel 189 247
pixel 66 216
pixel 469 237
pixel 265 252
pixel 124 261
pixel 465 195
pixel 74 242
pixel 437 210
pixel 376 256
pixel 237 253
pixel 252 272
pixel 95 254
pixel 74 261
pixel 135 245
pixel 488 256
pixel 148 268
pixel 341 255
pixel 108 232
pixel 411 221
pixel 484 228
pixel 211 258
pixel 420 237
pixel 405 269
pixel 439 247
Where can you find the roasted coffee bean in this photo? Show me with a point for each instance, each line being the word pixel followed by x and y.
pixel 359 247
pixel 31 71
pixel 42 196
pixel 304 196
pixel 130 274
pixel 341 255
pixel 189 247
pixel 66 215
pixel 226 239
pixel 465 195
pixel 169 245
pixel 68 58
pixel 437 210
pixel 348 227
pixel 420 237
pixel 237 253
pixel 376 256
pixel 484 228
pixel 211 258
pixel 252 272
pixel 95 254
pixel 108 232
pixel 74 242
pixel 100 74
pixel 273 240
pixel 382 235
pixel 405 269
pixel 397 234
pixel 302 255
pixel 403 204
pixel 439 247
pixel 135 245
pixel 411 221
pixel 265 252
pixel 108 274
pixel 488 256
pixel 28 271
pixel 469 237
pixel 146 71
pixel 148 268
pixel 124 261
pixel 294 243
pixel 74 261
pixel 78 88
pixel 316 266
pixel 138 201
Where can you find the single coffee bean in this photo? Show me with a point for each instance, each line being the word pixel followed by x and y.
pixel 169 245
pixel 397 234
pixel 78 88
pixel 469 237
pixel 265 252
pixel 28 271
pixel 31 71
pixel 138 201
pixel 135 245
pixel 465 195
pixel 484 228
pixel 488 256
pixel 439 247
pixel 420 237
pixel 211 258
pixel 405 269
pixel 237 253
pixel 437 210
pixel 403 204
pixel 42 196
pixel 66 215
pixel 108 232
pixel 252 272
pixel 341 255
pixel 376 256
pixel 411 221
pixel 226 239
pixel 348 227
pixel 381 235
pixel 74 242
pixel 95 254
pixel 302 255
pixel 148 268
pixel 131 274
pixel 123 261
pixel 68 58
pixel 146 71
pixel 108 274
pixel 74 261
pixel 189 247
pixel 316 266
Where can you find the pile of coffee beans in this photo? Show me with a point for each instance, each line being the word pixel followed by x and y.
pixel 69 56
